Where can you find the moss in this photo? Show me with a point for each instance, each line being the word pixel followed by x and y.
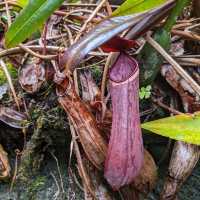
pixel 34 187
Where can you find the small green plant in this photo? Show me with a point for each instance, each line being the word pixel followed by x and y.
pixel 145 92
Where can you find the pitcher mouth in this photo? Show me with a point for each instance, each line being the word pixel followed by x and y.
pixel 124 68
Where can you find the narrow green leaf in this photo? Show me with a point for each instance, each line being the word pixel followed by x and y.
pixel 184 127
pixel 135 6
pixel 29 20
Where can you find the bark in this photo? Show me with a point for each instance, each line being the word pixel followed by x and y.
pixel 196 8
pixel 85 125
pixel 183 160
pixel 98 184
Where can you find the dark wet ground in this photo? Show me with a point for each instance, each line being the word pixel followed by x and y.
pixel 48 186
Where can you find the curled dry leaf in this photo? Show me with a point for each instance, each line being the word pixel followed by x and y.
pixel 12 117
pixel 125 152
pixel 4 164
pixel 32 76
pixel 85 124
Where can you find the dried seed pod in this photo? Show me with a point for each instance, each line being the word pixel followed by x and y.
pixel 125 152
pixel 146 180
pixel 85 124
pixel 183 160
pixel 32 76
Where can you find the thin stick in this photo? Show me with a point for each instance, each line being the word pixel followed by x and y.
pixel 18 153
pixel 8 13
pixel 10 3
pixel 59 172
pixel 75 76
pixel 186 34
pixel 90 18
pixel 194 61
pixel 171 110
pixel 174 64
pixel 108 7
pixel 85 5
pixel 104 78
pixel 79 159
pixel 5 69
pixel 53 49
pixel 57 185
pixel 45 57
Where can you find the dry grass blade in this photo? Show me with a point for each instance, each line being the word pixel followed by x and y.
pixel 4 67
pixel 109 61
pixel 82 170
pixel 175 65
pixel 45 57
pixel 90 18
pixel 8 13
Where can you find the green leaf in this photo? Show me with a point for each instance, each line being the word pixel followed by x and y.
pixel 29 20
pixel 184 127
pixel 135 6
pixel 21 3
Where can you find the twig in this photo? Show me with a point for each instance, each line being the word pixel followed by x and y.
pixel 45 57
pixel 90 18
pixel 175 65
pixel 75 179
pixel 79 160
pixel 70 36
pixel 188 61
pixel 48 38
pixel 75 76
pixel 8 13
pixel 85 5
pixel 77 17
pixel 59 172
pixel 15 170
pixel 9 3
pixel 57 185
pixel 171 110
pixel 9 79
pixel 186 34
pixel 53 49
pixel 105 72
pixel 108 7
